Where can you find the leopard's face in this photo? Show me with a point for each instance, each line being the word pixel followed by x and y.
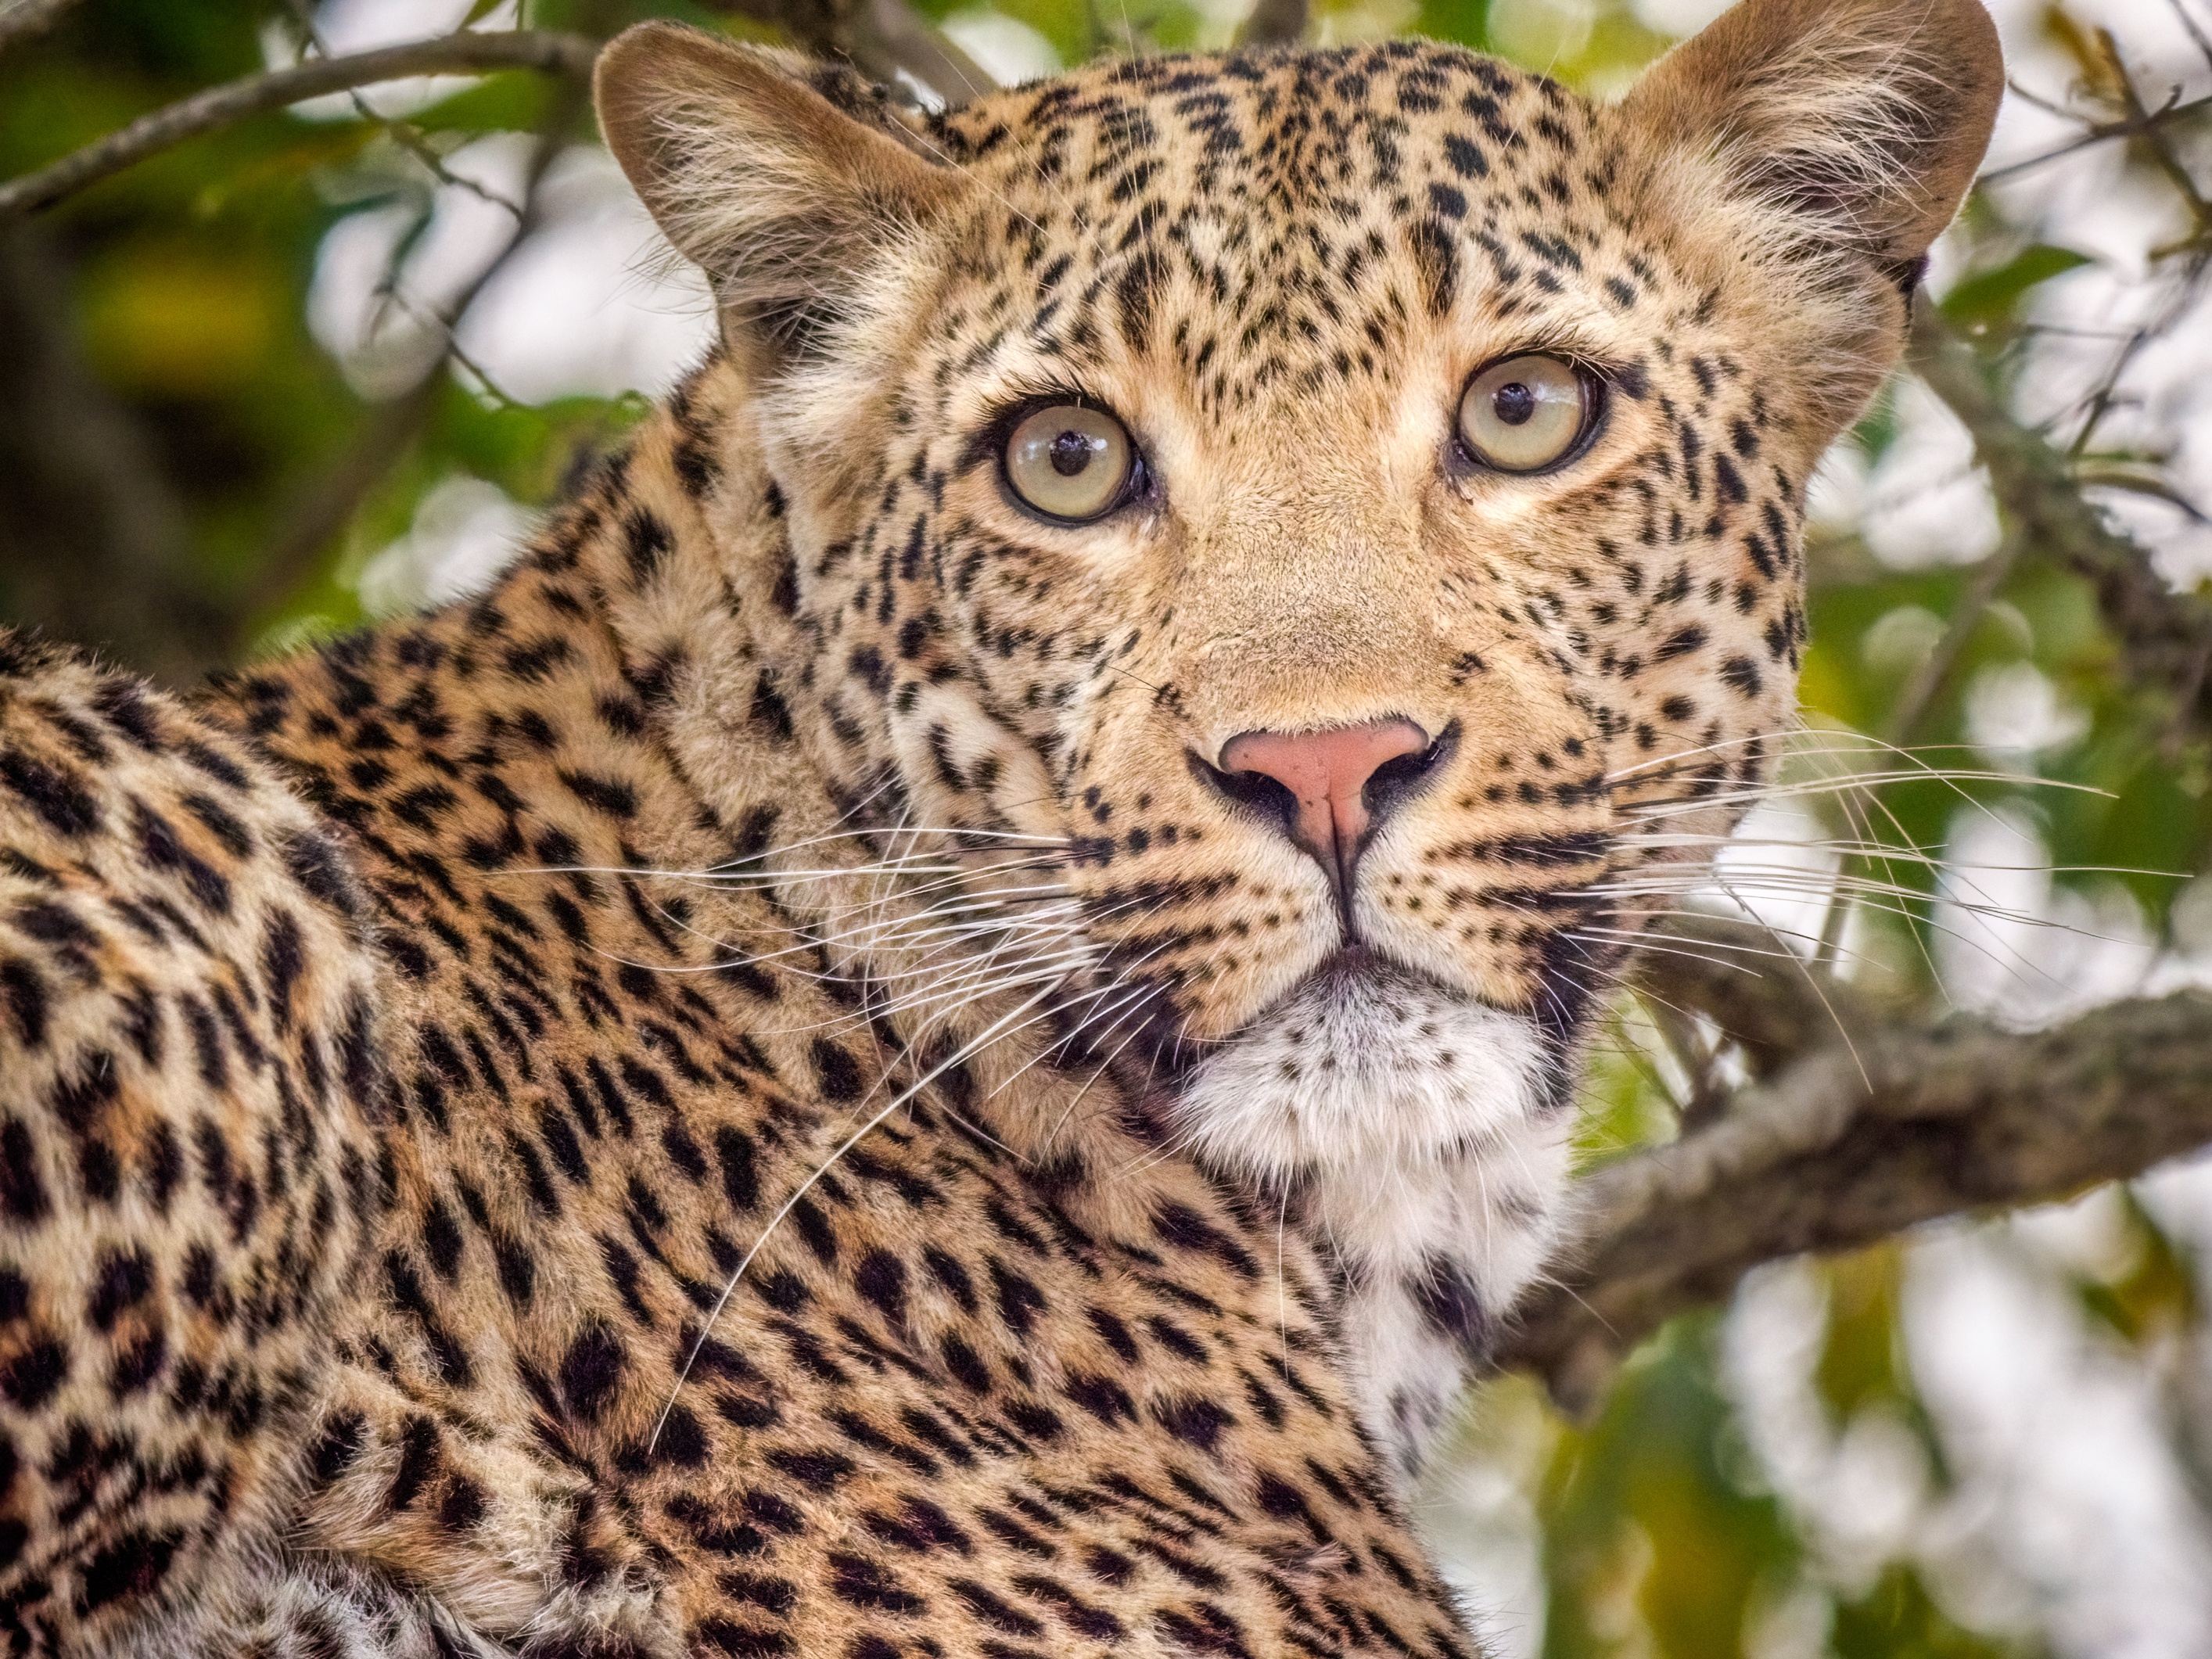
pixel 1321 505
pixel 1275 284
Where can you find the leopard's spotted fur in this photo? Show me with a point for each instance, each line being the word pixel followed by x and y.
pixel 1007 1211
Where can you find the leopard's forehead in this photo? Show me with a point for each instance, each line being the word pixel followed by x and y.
pixel 1281 225
pixel 1317 135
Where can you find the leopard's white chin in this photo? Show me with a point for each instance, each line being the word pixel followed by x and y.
pixel 1365 1063
pixel 1426 1136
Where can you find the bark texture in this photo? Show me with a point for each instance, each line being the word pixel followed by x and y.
pixel 1853 1141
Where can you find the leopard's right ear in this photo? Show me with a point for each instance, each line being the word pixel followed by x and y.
pixel 785 199
pixel 1861 120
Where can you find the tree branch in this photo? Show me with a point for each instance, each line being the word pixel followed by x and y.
pixel 548 50
pixel 886 35
pixel 2162 633
pixel 22 21
pixel 318 515
pixel 1958 1117
pixel 1274 23
pixel 2133 125
pixel 878 37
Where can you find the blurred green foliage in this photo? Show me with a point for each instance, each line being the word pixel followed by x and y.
pixel 185 477
pixel 1649 1530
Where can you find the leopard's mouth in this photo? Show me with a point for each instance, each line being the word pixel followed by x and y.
pixel 1356 970
pixel 1354 975
pixel 1359 982
pixel 1364 1061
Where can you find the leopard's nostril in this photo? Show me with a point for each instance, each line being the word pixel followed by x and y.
pixel 1329 787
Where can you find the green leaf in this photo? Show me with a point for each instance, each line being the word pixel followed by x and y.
pixel 1860 1359
pixel 1988 296
pixel 1465 21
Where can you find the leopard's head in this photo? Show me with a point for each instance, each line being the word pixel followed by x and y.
pixel 1331 499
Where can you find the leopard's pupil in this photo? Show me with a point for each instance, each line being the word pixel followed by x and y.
pixel 1072 452
pixel 1514 404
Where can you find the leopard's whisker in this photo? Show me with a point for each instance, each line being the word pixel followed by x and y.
pixel 1086 955
pixel 1855 785
pixel 1798 742
pixel 1132 995
pixel 991 981
pixel 908 932
pixel 1017 925
pixel 1840 886
pixel 1913 906
pixel 965 1051
pixel 752 873
pixel 1107 1063
pixel 1715 953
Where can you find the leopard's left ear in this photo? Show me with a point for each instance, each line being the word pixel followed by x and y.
pixel 787 198
pixel 1865 120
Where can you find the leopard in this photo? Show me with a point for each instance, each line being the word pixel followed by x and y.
pixel 944 1022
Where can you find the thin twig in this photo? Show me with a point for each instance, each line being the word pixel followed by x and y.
pixel 2191 27
pixel 2130 127
pixel 2159 629
pixel 321 512
pixel 2150 134
pixel 1933 672
pixel 548 50
pixel 405 134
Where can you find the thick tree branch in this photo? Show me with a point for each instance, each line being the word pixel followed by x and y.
pixel 552 52
pixel 1850 1145
pixel 2162 633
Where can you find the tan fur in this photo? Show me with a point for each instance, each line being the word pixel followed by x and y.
pixel 852 1140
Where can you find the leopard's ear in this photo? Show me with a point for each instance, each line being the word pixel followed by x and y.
pixel 786 197
pixel 1866 118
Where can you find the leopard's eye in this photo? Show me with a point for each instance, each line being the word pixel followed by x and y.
pixel 1069 462
pixel 1525 413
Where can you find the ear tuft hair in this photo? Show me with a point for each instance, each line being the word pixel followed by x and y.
pixel 1864 119
pixel 786 197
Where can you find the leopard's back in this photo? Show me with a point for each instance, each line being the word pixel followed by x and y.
pixel 188 1155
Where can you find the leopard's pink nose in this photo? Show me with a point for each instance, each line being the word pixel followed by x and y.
pixel 1328 776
